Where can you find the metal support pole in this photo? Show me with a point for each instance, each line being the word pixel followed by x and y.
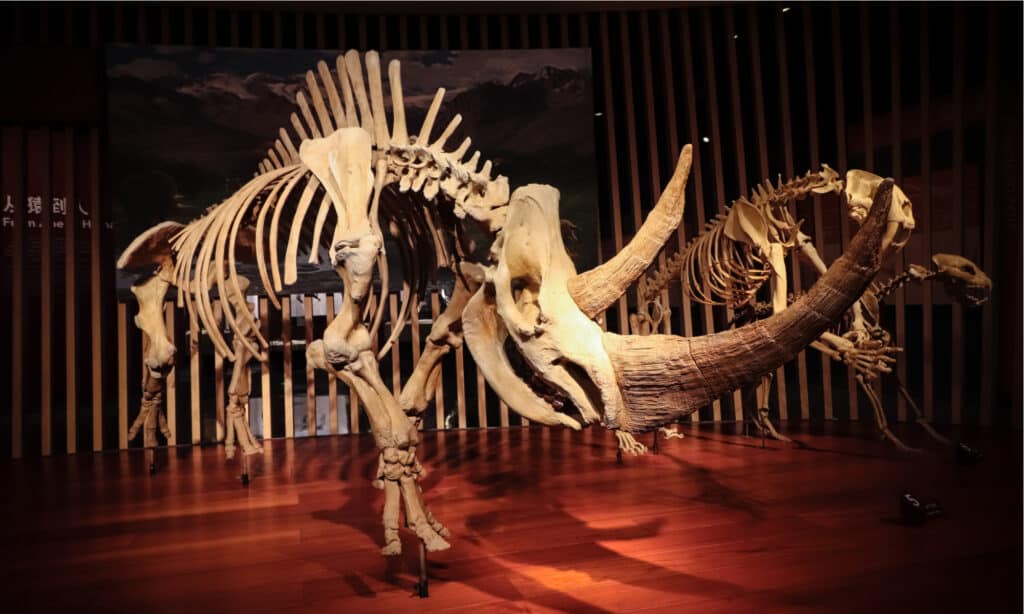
pixel 422 587
pixel 245 469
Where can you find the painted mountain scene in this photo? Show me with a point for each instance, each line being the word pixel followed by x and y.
pixel 189 125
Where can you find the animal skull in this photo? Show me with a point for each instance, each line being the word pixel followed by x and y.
pixel 860 190
pixel 963 279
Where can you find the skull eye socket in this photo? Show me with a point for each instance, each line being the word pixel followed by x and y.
pixel 966 268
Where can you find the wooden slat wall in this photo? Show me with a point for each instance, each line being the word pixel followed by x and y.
pixel 747 85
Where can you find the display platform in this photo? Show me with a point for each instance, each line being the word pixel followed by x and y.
pixel 543 520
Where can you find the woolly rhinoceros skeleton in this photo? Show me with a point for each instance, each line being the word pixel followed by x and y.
pixel 367 178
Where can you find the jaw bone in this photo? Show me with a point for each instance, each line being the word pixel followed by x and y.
pixel 633 383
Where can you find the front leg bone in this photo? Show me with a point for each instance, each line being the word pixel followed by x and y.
pixel 446 333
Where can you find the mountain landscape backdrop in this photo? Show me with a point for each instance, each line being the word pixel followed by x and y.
pixel 189 125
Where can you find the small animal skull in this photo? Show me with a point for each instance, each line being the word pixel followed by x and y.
pixel 963 279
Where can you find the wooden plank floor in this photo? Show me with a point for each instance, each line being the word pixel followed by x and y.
pixel 542 520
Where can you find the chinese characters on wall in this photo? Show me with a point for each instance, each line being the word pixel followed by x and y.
pixel 34 213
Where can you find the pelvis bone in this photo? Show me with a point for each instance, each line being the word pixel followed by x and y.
pixel 631 383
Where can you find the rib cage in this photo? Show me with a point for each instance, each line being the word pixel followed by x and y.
pixel 734 272
pixel 281 196
pixel 715 269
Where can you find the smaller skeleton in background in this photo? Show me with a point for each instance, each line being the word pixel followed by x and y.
pixel 745 247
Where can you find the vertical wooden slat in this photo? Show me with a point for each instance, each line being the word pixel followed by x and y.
pixel 989 236
pixel 353 411
pixel 672 142
pixel 332 384
pixel 524 36
pixel 122 376
pixel 841 157
pixel 819 226
pixel 165 25
pixel 266 401
pixel 69 27
pixel 439 408
pixel 118 24
pixel 396 359
pixel 653 138
pixel 481 400
pixel 171 396
pixel 787 145
pixel 70 219
pixel 414 330
pixel 762 158
pixel 869 161
pixel 140 25
pixel 444 40
pixel 956 381
pixel 716 146
pixel 218 379
pixel 741 156
pixel 13 178
pixel 307 304
pixel 403 32
pixel 463 32
pixel 278 30
pixel 39 142
pixel 460 357
pixel 460 387
pixel 353 398
pixel 628 114
pixel 95 288
pixel 194 385
pixel 481 386
pixel 613 170
pixel 255 27
pixel 734 92
pixel 234 35
pixel 503 32
pixel 695 173
pixel 286 349
pixel 895 78
pixel 924 216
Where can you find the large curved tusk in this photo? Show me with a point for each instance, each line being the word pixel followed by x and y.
pixel 664 377
pixel 595 290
